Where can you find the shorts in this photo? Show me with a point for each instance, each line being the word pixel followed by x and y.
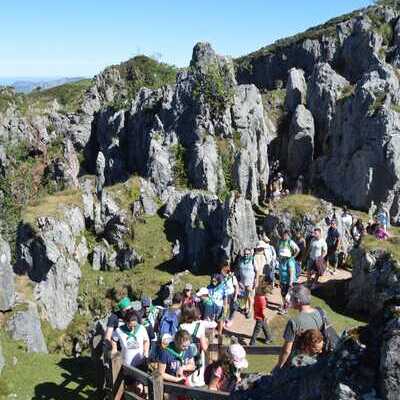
pixel 284 289
pixel 249 291
pixel 219 314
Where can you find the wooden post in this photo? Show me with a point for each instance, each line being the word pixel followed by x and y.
pixel 156 389
pixel 118 381
pixel 211 354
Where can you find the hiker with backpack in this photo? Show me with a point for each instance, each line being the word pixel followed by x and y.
pixel 169 320
pixel 308 318
pixel 176 360
pixel 247 280
pixel 271 261
pixel 191 322
pixel 288 274
pixel 317 252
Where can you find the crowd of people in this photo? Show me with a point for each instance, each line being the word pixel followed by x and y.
pixel 172 338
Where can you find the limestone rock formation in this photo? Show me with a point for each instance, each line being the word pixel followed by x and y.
pixel 296 90
pixel 51 253
pixel 25 326
pixel 375 279
pixel 7 285
pixel 301 142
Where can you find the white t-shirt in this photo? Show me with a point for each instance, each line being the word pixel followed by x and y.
pixel 259 262
pixel 347 220
pixel 132 344
pixel 192 326
pixel 317 248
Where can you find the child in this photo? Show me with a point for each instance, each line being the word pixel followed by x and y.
pixel 260 314
pixel 310 345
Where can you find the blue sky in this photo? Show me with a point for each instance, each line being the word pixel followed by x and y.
pixel 46 38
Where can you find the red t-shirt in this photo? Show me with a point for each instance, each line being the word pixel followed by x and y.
pixel 260 304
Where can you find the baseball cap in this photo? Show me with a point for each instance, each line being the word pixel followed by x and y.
pixel 238 354
pixel 146 301
pixel 261 245
pixel 136 305
pixel 202 292
pixel 124 303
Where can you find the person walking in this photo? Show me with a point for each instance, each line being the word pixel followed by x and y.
pixel 247 279
pixel 316 258
pixel 260 315
pixel 287 251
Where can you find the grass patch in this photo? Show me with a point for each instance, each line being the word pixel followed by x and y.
pixel 346 92
pixel 391 245
pixel 299 204
pixel 38 375
pixel 68 96
pixel 51 206
pixel 125 193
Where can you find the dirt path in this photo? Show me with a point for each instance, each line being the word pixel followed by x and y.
pixel 243 326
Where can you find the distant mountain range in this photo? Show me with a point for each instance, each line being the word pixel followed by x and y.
pixel 27 85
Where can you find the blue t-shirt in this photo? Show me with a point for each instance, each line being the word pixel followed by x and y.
pixel 172 361
pixel 217 294
pixel 208 309
pixel 285 266
pixel 247 271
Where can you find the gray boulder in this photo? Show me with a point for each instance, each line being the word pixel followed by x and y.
pixel 374 281
pixel 324 88
pixel 238 226
pixel 51 253
pixel 148 197
pixel 104 257
pixel 127 259
pixel 301 142
pixel 296 89
pixel 25 326
pixel 7 284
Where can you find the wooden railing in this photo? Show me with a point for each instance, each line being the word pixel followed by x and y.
pixel 156 386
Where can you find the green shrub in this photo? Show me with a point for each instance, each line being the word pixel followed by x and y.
pixel 216 88
pixel 377 104
pixel 179 169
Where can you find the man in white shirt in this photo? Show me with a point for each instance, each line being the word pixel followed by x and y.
pixel 134 343
pixel 316 263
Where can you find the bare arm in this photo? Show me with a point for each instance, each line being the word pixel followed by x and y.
pixel 168 377
pixel 285 353
pixel 146 348
pixel 203 343
pixel 114 348
pixel 109 333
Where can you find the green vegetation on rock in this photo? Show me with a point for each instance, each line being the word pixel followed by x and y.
pixel 180 167
pixel 274 104
pixel 216 87
pixel 299 204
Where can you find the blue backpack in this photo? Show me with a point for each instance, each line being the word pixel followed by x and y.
pixel 169 323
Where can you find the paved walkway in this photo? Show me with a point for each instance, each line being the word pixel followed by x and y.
pixel 243 326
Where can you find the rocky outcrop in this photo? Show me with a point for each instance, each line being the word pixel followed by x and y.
pixel 301 142
pixel 51 253
pixel 25 326
pixel 7 284
pixel 210 231
pixel 238 227
pixel 352 371
pixel 375 279
pixel 296 90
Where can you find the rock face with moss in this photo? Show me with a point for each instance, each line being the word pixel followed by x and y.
pixel 204 132
pixel 7 285
pixel 375 279
pixel 25 326
pixel 50 251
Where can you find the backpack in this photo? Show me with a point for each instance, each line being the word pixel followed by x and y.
pixel 331 338
pixel 284 248
pixel 169 323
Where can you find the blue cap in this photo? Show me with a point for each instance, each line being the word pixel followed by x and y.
pixel 146 301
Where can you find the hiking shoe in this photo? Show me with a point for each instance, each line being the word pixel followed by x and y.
pixel 247 314
pixel 282 311
pixel 268 341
